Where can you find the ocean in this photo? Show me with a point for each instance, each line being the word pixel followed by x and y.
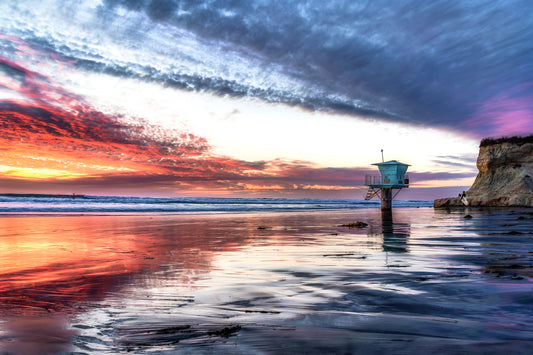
pixel 110 275
pixel 35 203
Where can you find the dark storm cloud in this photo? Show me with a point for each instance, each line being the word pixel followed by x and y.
pixel 430 176
pixel 418 61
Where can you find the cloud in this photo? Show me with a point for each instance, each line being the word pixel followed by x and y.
pixel 212 175
pixel 422 64
pixel 434 64
pixel 509 113
pixel 456 161
pixel 463 66
pixel 57 141
pixel 50 129
pixel 431 176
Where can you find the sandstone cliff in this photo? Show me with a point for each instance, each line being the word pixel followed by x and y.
pixel 505 175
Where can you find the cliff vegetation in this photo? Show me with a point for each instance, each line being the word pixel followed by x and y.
pixel 518 140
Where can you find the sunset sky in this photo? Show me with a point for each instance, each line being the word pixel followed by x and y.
pixel 256 98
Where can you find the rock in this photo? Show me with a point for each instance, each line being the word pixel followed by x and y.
pixel 355 225
pixel 447 202
pixel 505 175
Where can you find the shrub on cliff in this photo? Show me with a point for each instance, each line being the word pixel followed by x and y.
pixel 518 140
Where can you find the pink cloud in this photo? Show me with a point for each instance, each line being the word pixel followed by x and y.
pixel 509 113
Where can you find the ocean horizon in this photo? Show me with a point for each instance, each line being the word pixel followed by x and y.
pixel 58 203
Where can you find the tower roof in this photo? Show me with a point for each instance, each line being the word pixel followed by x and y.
pixel 391 162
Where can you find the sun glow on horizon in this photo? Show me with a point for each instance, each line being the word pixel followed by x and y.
pixel 36 173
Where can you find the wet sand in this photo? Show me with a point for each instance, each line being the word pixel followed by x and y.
pixel 418 280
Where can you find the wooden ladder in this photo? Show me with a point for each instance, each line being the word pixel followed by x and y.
pixel 370 193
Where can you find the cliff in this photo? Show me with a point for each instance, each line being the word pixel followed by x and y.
pixel 505 175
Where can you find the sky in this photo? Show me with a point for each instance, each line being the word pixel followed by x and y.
pixel 257 98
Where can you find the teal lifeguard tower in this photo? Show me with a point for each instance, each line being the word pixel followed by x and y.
pixel 392 177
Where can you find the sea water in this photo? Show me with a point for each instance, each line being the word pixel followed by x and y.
pixel 416 280
pixel 85 203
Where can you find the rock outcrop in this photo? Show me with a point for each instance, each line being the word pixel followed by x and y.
pixel 505 175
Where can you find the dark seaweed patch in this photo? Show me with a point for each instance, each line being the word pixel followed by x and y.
pixel 225 332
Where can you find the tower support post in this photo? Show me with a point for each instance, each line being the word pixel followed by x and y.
pixel 386 198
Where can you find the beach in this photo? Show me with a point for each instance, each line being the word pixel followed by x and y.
pixel 415 280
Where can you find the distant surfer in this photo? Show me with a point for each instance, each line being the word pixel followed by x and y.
pixel 462 197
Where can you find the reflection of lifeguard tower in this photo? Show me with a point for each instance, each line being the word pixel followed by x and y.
pixel 392 177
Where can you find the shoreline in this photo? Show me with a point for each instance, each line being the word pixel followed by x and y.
pixel 258 212
pixel 192 213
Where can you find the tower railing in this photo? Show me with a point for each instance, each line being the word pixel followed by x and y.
pixel 372 179
pixel 381 180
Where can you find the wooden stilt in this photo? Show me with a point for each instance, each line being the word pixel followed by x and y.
pixel 386 198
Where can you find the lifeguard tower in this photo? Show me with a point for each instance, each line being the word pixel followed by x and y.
pixel 392 177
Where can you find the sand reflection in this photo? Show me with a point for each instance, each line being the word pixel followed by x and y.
pixel 43 335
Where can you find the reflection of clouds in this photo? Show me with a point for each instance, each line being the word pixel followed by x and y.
pixel 65 265
pixel 63 262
